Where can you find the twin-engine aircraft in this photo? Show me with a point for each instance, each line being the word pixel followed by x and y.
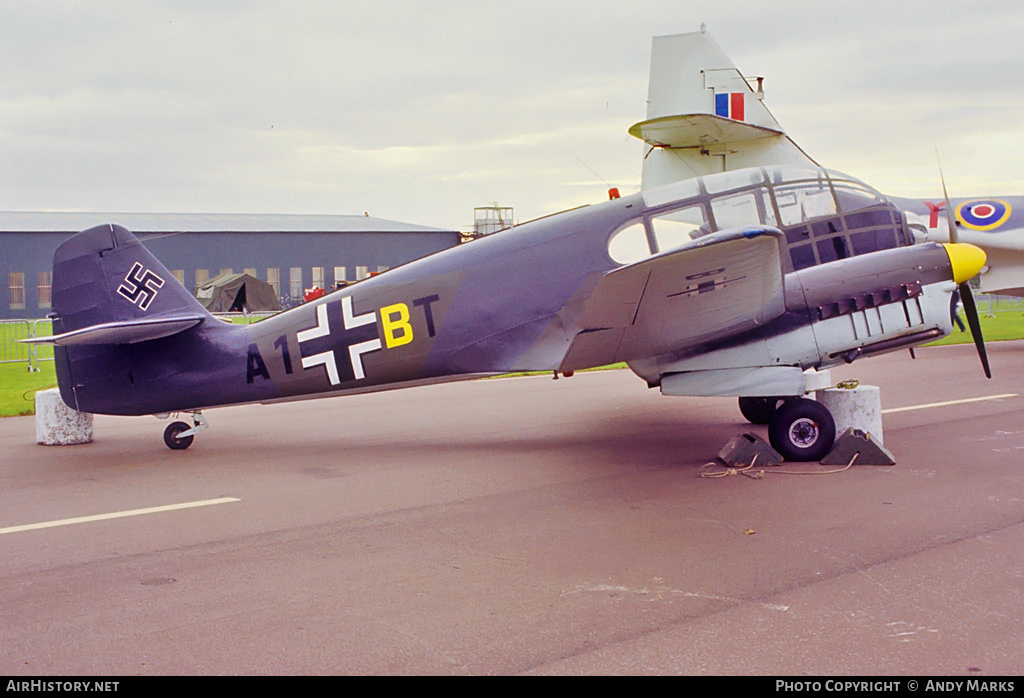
pixel 704 116
pixel 735 283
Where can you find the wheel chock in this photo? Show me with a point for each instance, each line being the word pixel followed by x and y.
pixel 854 443
pixel 742 449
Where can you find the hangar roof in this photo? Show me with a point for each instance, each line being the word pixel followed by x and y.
pixel 73 221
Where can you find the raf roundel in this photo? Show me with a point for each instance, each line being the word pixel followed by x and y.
pixel 983 214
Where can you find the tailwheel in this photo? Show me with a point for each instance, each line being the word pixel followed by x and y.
pixel 802 430
pixel 179 435
pixel 172 439
pixel 759 410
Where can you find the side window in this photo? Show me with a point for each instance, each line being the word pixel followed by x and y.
pixel 802 256
pixel 629 244
pixel 679 228
pixel 739 210
pixel 804 202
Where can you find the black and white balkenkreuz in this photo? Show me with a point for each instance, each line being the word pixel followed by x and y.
pixel 358 336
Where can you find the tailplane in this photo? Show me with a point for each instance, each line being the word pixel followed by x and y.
pixel 704 117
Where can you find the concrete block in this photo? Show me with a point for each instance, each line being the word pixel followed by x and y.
pixel 59 425
pixel 856 408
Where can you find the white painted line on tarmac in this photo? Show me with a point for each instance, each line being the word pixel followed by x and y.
pixel 117 515
pixel 949 402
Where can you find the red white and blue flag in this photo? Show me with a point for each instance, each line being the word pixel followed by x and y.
pixel 729 105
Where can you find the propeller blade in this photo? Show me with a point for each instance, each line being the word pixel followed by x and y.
pixel 971 311
pixel 954 235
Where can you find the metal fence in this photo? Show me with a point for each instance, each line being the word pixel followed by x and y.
pixel 13 351
pixel 11 331
pixel 990 304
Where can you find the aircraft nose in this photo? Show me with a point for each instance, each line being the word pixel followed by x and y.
pixel 965 259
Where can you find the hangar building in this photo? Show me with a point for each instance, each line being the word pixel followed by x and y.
pixel 290 252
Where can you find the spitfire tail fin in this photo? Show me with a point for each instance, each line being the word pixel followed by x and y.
pixel 704 117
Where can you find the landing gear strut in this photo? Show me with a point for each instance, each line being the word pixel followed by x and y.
pixel 179 435
pixel 802 430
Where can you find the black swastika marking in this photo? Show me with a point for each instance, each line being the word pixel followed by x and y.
pixel 140 289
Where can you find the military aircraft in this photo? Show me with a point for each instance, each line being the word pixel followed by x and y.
pixel 738 283
pixel 704 116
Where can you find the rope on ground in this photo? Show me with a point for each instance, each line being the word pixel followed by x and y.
pixel 706 470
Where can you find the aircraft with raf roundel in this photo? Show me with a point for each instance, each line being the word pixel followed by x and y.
pixel 704 116
pixel 741 283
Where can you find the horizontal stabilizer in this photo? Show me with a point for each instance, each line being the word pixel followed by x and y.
pixel 127 332
pixel 697 130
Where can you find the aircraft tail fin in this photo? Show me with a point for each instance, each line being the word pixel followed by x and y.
pixel 704 116
pixel 104 278
pixel 109 292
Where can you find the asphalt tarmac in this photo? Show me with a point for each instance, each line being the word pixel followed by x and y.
pixel 522 525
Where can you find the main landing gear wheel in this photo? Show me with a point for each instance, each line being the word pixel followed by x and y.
pixel 802 430
pixel 759 410
pixel 171 436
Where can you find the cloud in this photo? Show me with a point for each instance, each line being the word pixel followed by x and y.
pixel 419 112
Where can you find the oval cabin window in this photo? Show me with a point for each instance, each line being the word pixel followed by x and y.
pixel 629 245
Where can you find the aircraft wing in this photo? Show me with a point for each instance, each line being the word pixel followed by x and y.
pixel 724 284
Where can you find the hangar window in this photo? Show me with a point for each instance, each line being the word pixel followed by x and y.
pixel 274 279
pixel 318 277
pixel 202 276
pixel 179 275
pixel 45 284
pixel 16 284
pixel 361 273
pixel 295 283
pixel 629 244
pixel 339 276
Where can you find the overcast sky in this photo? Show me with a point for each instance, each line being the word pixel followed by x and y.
pixel 421 111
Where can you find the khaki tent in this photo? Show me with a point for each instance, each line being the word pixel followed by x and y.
pixel 227 293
